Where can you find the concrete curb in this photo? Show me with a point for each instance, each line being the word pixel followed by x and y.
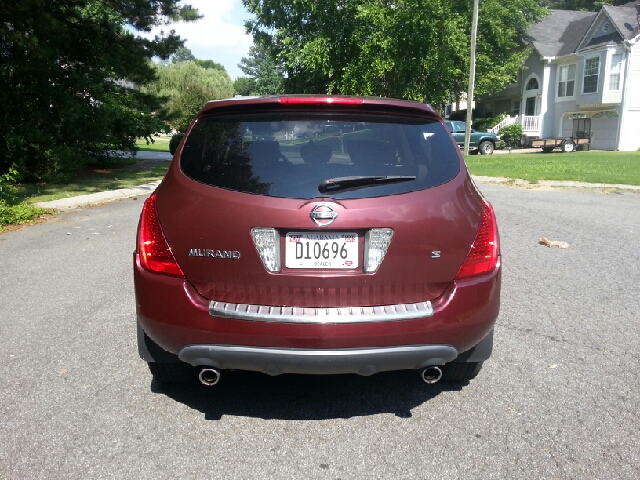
pixel 100 197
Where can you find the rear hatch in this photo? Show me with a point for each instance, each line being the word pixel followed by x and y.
pixel 318 204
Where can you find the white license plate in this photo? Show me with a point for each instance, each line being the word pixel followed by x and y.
pixel 321 250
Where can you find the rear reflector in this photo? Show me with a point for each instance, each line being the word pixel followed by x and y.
pixel 320 100
pixel 483 256
pixel 155 253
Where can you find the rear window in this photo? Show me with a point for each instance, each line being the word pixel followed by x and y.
pixel 307 156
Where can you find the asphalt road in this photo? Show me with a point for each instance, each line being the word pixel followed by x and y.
pixel 559 398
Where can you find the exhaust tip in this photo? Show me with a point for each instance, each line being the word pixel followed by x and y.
pixel 431 374
pixel 209 376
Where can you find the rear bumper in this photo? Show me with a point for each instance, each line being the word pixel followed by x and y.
pixel 276 361
pixel 178 319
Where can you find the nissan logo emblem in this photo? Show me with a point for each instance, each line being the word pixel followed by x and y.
pixel 323 215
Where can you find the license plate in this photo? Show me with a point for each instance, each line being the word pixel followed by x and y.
pixel 321 250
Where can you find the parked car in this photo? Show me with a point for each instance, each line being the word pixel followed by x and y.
pixel 483 142
pixel 360 253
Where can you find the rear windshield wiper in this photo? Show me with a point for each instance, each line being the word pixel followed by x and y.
pixel 340 184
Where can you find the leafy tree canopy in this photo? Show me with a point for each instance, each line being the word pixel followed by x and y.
pixel 187 87
pixel 245 86
pixel 68 72
pixel 395 48
pixel 183 54
pixel 264 68
pixel 211 65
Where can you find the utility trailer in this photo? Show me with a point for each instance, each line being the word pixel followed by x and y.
pixel 567 144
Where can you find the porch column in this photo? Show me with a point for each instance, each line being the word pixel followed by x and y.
pixel 544 95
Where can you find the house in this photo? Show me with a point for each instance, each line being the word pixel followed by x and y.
pixel 582 79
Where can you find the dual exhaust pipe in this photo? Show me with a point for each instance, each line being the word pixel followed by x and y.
pixel 211 376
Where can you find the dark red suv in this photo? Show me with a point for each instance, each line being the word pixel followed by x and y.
pixel 316 235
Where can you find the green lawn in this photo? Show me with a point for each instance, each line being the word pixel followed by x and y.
pixel 20 208
pixel 591 167
pixel 90 181
pixel 160 144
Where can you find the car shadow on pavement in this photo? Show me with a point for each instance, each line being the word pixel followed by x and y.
pixel 306 397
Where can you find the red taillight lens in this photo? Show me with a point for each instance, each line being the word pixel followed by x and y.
pixel 154 251
pixel 320 100
pixel 483 256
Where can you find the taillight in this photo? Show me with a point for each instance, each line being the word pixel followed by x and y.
pixel 312 99
pixel 154 251
pixel 483 256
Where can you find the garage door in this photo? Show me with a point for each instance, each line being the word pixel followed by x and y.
pixel 604 133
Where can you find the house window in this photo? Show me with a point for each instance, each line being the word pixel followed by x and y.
pixel 614 71
pixel 532 84
pixel 516 108
pixel 566 80
pixel 591 71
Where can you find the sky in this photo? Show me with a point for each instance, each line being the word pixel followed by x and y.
pixel 220 36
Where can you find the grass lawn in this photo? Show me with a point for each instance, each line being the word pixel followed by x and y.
pixel 20 209
pixel 90 181
pixel 591 167
pixel 160 144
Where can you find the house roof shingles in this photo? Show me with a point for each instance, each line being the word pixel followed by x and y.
pixel 561 31
pixel 623 17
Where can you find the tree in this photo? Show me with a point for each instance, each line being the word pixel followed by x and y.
pixel 212 65
pixel 263 67
pixel 68 76
pixel 395 48
pixel 186 86
pixel 245 86
pixel 183 54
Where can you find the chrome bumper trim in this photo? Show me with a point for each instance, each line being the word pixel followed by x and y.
pixel 266 313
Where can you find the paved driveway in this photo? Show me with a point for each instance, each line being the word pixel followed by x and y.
pixel 559 398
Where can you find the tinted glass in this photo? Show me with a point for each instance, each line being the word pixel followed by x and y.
pixel 290 156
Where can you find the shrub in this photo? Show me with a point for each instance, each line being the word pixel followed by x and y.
pixel 174 142
pixel 7 188
pixel 11 213
pixel 484 124
pixel 461 115
pixel 511 134
pixel 20 213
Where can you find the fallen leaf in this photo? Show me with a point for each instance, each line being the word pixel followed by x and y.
pixel 553 243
